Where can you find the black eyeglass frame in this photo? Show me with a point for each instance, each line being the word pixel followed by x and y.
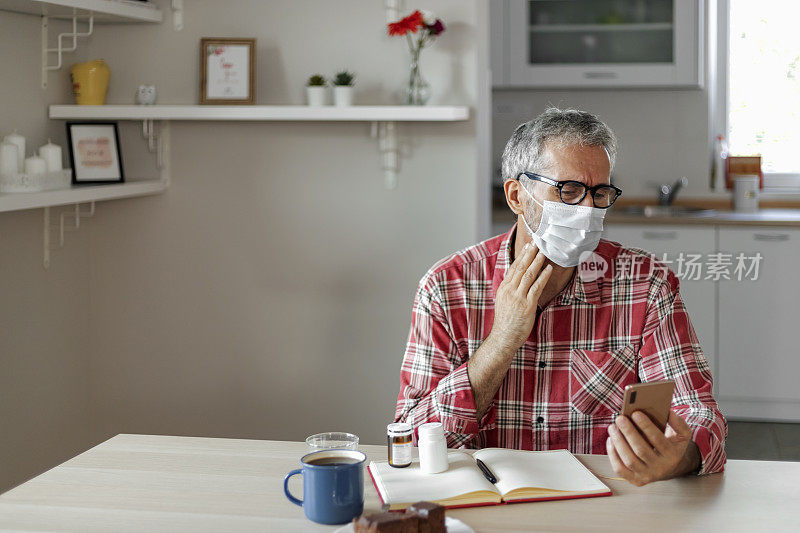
pixel 586 189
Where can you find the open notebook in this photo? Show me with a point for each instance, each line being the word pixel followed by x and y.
pixel 522 476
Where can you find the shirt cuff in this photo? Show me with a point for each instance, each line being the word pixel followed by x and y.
pixel 712 455
pixel 455 404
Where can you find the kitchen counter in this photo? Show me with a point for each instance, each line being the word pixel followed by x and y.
pixel 764 217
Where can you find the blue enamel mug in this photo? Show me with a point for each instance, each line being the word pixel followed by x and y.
pixel 333 485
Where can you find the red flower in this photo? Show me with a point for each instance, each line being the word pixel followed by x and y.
pixel 409 24
pixel 437 27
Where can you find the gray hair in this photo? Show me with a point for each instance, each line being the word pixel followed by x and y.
pixel 525 150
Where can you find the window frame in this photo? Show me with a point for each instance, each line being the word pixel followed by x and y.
pixel 774 182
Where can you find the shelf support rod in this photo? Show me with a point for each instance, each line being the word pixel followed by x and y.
pixel 393 8
pixel 44 53
pixel 46 226
pixel 163 154
pixel 75 214
pixel 386 133
pixel 151 133
pixel 177 15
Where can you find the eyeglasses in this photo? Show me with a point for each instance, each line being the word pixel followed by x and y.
pixel 573 192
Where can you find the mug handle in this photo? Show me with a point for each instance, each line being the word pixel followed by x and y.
pixel 286 487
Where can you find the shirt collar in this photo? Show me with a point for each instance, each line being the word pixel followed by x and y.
pixel 577 290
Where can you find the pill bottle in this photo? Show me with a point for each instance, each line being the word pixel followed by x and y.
pixel 398 437
pixel 432 448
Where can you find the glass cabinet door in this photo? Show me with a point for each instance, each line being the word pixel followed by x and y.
pixel 595 43
pixel 600 31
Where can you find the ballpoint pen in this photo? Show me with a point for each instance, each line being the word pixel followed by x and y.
pixel 486 472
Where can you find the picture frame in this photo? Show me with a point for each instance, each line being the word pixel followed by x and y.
pixel 94 152
pixel 227 71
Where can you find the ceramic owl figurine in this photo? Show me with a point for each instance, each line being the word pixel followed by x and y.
pixel 146 95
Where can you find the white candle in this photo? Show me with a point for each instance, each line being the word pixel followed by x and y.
pixel 19 140
pixel 8 158
pixel 51 153
pixel 35 165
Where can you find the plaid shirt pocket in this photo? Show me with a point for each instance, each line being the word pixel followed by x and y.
pixel 597 379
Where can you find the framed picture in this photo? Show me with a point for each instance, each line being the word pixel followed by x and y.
pixel 227 71
pixel 94 152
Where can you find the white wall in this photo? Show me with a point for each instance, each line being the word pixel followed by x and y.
pixel 268 293
pixel 44 328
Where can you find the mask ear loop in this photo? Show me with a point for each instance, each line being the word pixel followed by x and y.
pixel 524 218
pixel 529 193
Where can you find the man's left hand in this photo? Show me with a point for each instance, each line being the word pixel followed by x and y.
pixel 641 453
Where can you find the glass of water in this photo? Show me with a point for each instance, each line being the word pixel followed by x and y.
pixel 333 439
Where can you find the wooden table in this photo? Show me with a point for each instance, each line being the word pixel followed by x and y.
pixel 162 483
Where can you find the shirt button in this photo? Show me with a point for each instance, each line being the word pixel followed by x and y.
pixel 539 419
pixel 542 364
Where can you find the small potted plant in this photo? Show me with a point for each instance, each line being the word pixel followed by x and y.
pixel 316 90
pixel 343 88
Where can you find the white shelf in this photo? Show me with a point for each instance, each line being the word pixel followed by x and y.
pixel 642 26
pixel 105 11
pixel 80 194
pixel 262 113
pixel 383 119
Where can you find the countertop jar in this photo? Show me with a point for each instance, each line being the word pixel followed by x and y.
pixel 432 448
pixel 398 437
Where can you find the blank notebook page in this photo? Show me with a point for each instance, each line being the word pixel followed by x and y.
pixel 552 470
pixel 408 485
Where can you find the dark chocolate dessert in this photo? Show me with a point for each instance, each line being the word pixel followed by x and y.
pixel 387 523
pixel 422 517
pixel 431 517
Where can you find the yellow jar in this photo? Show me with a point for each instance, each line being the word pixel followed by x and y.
pixel 90 82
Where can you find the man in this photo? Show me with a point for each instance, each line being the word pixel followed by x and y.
pixel 512 346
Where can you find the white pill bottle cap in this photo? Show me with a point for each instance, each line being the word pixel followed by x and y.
pixel 431 431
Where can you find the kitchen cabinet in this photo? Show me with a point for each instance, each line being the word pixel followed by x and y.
pixel 758 321
pixel 745 319
pixel 597 43
pixel 699 295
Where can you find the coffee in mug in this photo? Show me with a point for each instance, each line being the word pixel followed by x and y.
pixel 333 461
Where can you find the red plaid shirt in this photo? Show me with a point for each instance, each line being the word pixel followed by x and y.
pixel 565 385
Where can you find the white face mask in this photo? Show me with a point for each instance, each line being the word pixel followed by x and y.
pixel 566 231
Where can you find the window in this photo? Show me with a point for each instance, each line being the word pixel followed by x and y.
pixel 763 86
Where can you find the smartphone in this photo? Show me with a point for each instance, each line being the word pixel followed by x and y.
pixel 652 398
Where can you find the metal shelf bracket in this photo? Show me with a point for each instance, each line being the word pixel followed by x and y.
pixel 393 9
pixel 60 49
pixel 68 220
pixel 154 144
pixel 386 133
pixel 177 15
pixel 158 140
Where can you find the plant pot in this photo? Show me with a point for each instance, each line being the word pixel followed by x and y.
pixel 317 95
pixel 343 95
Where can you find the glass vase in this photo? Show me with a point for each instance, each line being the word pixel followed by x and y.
pixel 418 91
